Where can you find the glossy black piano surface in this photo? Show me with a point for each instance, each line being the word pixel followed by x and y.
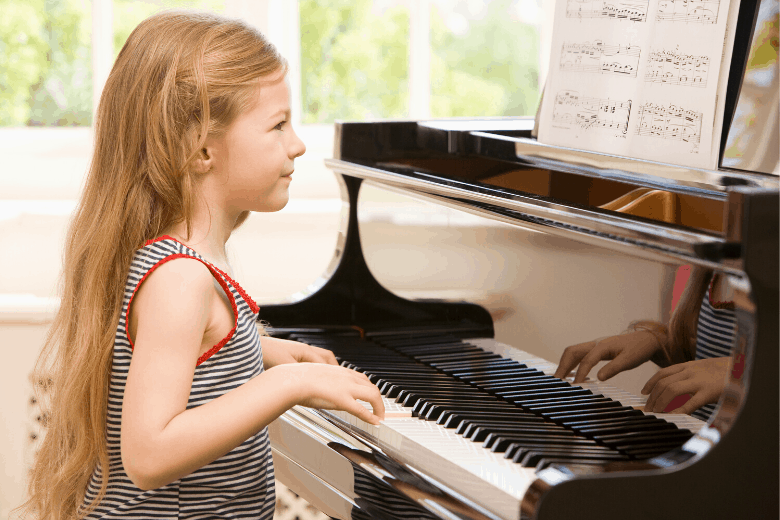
pixel 569 451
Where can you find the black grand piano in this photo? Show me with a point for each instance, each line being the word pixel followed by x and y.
pixel 476 425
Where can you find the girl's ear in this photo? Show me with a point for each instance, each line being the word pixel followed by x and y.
pixel 205 161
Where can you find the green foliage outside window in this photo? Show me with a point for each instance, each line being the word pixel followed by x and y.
pixel 491 70
pixel 45 63
pixel 354 61
pixel 46 57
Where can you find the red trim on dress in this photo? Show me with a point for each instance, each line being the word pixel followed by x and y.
pixel 214 271
pixel 718 305
pixel 248 299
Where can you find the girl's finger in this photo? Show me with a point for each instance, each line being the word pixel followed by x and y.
pixel 571 357
pixel 597 354
pixel 669 392
pixel 372 395
pixel 323 355
pixel 666 372
pixel 661 386
pixel 620 364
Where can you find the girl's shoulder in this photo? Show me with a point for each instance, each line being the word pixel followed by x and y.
pixel 167 270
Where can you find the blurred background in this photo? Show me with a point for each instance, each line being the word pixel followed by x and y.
pixel 349 60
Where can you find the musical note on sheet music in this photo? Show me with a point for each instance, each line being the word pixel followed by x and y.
pixel 574 111
pixel 676 68
pixel 620 60
pixel 693 11
pixel 670 122
pixel 634 10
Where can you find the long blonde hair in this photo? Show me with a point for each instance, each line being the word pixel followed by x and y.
pixel 180 77
pixel 678 338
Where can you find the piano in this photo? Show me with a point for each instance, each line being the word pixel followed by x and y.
pixel 476 426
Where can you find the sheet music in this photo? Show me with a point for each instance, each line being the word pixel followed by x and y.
pixel 639 78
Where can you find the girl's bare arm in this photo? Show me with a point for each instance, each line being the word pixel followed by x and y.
pixel 161 441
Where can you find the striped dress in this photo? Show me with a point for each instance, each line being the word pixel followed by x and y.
pixel 238 485
pixel 715 335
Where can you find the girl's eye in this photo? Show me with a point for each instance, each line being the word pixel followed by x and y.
pixel 280 125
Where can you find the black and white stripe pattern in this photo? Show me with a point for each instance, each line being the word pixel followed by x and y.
pixel 237 485
pixel 715 335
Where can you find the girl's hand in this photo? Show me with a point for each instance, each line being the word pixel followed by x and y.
pixel 703 379
pixel 334 388
pixel 280 351
pixel 626 351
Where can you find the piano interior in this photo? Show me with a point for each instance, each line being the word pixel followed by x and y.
pixel 470 256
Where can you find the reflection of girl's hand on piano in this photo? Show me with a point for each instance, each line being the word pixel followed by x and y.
pixel 703 380
pixel 626 351
pixel 280 351
pixel 332 387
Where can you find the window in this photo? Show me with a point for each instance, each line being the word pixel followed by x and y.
pixel 424 58
pixel 45 74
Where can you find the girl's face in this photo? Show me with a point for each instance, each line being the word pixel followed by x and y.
pixel 252 163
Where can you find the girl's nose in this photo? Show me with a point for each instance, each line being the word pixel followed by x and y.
pixel 298 147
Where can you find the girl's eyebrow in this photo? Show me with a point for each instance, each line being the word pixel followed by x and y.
pixel 284 112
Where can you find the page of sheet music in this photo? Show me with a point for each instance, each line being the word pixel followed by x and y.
pixel 639 78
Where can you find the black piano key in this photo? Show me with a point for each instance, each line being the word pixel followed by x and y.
pixel 562 399
pixel 535 394
pixel 410 399
pixel 583 406
pixel 610 421
pixel 399 391
pixel 477 365
pixel 635 438
pixel 522 389
pixel 627 428
pixel 510 384
pixel 533 457
pixel 442 348
pixel 434 412
pixel 499 443
pixel 516 451
pixel 454 419
pixel 422 407
pixel 485 377
pixel 460 357
pixel 544 404
pixel 481 433
pixel 467 427
pixel 567 417
pixel 447 390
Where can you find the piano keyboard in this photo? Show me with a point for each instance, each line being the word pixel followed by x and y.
pixel 480 408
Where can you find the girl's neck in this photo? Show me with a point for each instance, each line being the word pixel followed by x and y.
pixel 211 249
pixel 207 235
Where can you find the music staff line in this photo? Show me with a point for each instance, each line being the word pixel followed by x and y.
pixel 572 110
pixel 596 57
pixel 668 122
pixel 676 68
pixel 689 11
pixel 632 10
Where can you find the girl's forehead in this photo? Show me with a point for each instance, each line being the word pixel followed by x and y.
pixel 273 96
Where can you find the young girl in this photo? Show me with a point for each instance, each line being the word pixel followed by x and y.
pixel 162 384
pixel 694 349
